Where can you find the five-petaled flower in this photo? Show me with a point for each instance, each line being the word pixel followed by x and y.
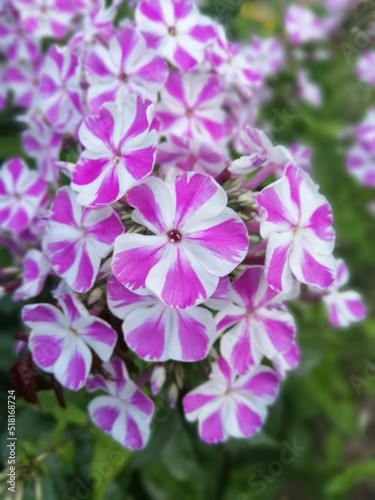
pixel 60 341
pixel 120 151
pixel 227 405
pixel 78 238
pixel 124 412
pixel 197 240
pixel 256 321
pixel 297 220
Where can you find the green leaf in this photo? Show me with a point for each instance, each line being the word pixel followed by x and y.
pixel 351 476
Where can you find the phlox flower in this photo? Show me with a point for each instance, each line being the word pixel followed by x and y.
pixel 60 340
pixel 308 91
pixel 366 67
pixel 21 194
pixel 191 105
pixel 196 240
pixel 156 332
pixel 48 18
pixel 60 90
pixel 176 29
pixel 229 61
pixel 157 379
pixel 302 155
pixel 256 321
pixel 22 80
pixel 360 163
pixel 344 307
pixel 303 26
pixel 42 143
pixel 227 405
pixel 283 362
pixel 78 238
pixel 258 151
pixel 125 66
pixel 125 412
pixel 36 268
pixel 120 151
pixel 365 131
pixel 184 154
pixel 297 221
pixel 265 56
pixel 15 40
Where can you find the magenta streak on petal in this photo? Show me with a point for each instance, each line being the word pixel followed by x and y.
pixel 19 220
pixel 88 170
pixel 109 190
pixel 45 349
pixel 227 239
pixel 101 333
pixel 102 126
pixel 247 285
pixel 106 230
pixel 228 320
pixel 140 123
pixel 276 213
pixel 356 308
pixel 242 358
pixel 31 270
pixel 182 287
pixel 133 438
pixel 214 128
pixel 142 402
pixel 175 88
pixel 334 315
pixel 182 9
pixel 321 223
pixel 192 402
pixel 69 306
pixel 75 375
pixel 294 176
pixel 62 210
pixel 193 338
pixel 280 333
pixel 94 64
pixel 40 313
pixel 152 10
pixel 210 90
pixel 315 273
pixel 105 417
pixel 212 428
pixel 202 33
pixel 192 192
pixel 142 197
pixel 276 267
pixel 249 422
pixel 263 385
pixel 183 59
pixel 225 370
pixel 139 163
pixel 86 274
pixel 148 339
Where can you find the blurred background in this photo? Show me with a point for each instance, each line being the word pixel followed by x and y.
pixel 319 439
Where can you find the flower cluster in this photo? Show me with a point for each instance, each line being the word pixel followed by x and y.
pixel 148 238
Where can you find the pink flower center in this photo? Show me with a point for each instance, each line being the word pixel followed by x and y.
pixel 172 31
pixel 189 112
pixel 116 160
pixel 174 236
pixel 123 77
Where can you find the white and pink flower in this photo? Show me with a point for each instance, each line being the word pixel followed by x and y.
pixel 196 240
pixel 125 412
pixel 297 221
pixel 125 66
pixel 156 332
pixel 21 194
pixel 360 163
pixel 120 151
pixel 303 26
pixel 344 307
pixel 191 105
pixel 227 405
pixel 366 68
pixel 256 321
pixel 60 340
pixel 36 268
pixel 78 238
pixel 184 154
pixel 60 90
pixel 176 29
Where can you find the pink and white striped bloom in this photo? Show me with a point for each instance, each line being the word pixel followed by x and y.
pixel 308 91
pixel 344 307
pixel 120 151
pixel 256 321
pixel 229 61
pixel 125 412
pixel 60 90
pixel 176 29
pixel 78 238
pixel 365 131
pixel 302 155
pixel 43 144
pixel 125 66
pixel 197 240
pixel 259 151
pixel 227 405
pixel 303 26
pixel 21 194
pixel 360 163
pixel 265 56
pixel 366 68
pixel 286 361
pixel 36 268
pixel 48 18
pixel 297 220
pixel 191 105
pixel 184 154
pixel 60 340
pixel 22 80
pixel 15 40
pixel 156 332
